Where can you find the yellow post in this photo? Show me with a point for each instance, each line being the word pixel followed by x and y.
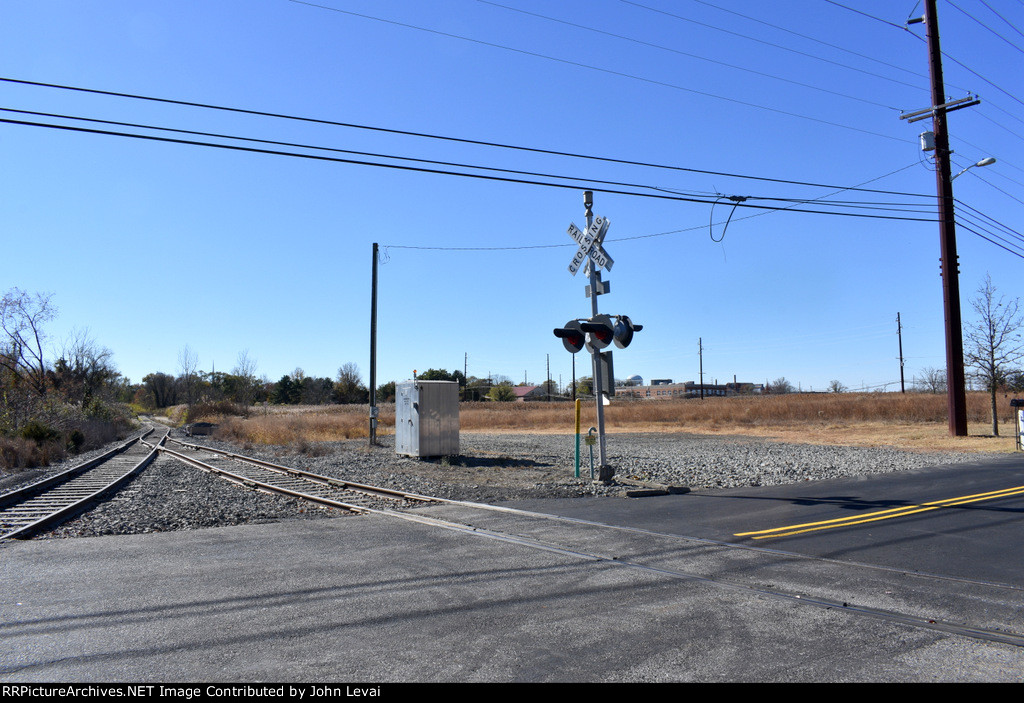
pixel 577 438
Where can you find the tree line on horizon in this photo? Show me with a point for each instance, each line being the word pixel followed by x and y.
pixel 66 397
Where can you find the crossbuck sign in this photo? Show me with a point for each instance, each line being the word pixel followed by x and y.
pixel 590 245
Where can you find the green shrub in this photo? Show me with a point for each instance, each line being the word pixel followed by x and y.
pixel 38 432
pixel 76 438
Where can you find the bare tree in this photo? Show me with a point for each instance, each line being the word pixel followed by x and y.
pixel 931 380
pixel 83 368
pixel 993 344
pixel 188 362
pixel 245 369
pixel 349 388
pixel 22 317
pixel 837 386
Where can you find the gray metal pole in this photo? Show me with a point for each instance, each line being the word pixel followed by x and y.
pixel 373 348
pixel 605 472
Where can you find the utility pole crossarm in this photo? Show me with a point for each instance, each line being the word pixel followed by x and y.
pixel 952 106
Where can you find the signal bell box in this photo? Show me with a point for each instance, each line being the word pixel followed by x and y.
pixel 427 418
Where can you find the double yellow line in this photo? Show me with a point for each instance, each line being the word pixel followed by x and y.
pixel 790 530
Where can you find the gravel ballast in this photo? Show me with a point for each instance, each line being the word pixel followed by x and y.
pixel 169 495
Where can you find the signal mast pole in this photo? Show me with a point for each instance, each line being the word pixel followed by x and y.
pixel 599 331
pixel 605 472
pixel 373 348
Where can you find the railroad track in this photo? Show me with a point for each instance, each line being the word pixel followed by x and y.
pixel 988 604
pixel 285 480
pixel 29 509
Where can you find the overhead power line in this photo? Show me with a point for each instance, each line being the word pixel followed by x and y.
pixel 944 54
pixel 992 10
pixel 607 71
pixel 861 12
pixel 767 43
pixel 353 152
pixel 813 39
pixel 423 169
pixel 762 74
pixel 446 138
pixel 876 205
pixel 950 2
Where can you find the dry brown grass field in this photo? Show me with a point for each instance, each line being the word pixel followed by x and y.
pixel 911 421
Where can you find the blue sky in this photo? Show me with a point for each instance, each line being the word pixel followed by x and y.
pixel 153 246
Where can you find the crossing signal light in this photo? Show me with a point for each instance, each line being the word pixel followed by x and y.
pixel 623 331
pixel 571 335
pixel 600 331
pixel 597 333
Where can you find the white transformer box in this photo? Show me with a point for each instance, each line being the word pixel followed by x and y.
pixel 427 418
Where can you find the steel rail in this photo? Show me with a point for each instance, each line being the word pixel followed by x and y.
pixel 317 478
pixel 272 488
pixel 924 575
pixel 28 509
pixel 935 624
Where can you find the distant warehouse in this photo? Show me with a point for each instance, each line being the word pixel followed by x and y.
pixel 664 389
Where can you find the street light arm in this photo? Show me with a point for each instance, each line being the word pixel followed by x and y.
pixel 987 161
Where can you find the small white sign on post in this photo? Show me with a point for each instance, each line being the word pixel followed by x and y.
pixel 1020 429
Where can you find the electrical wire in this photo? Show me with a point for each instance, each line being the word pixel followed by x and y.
pixel 421 169
pixel 991 241
pixel 813 39
pixel 954 5
pixel 855 205
pixel 660 234
pixel 607 71
pixel 973 226
pixel 993 11
pixel 736 200
pixel 767 43
pixel 944 54
pixel 860 12
pixel 964 165
pixel 660 47
pixel 320 148
pixel 1013 242
pixel 761 214
pixel 971 220
pixel 1006 228
pixel 993 185
pixel 424 135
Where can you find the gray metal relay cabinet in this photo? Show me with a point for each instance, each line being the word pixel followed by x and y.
pixel 427 418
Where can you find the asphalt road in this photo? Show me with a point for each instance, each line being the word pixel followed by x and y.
pixel 654 589
pixel 976 539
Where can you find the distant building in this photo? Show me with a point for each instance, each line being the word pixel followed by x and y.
pixel 525 393
pixel 664 389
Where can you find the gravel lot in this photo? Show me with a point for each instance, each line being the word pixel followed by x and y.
pixel 169 495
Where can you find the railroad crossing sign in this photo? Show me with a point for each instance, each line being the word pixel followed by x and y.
pixel 590 245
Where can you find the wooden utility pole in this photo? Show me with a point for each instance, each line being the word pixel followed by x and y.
pixel 899 336
pixel 956 396
pixel 700 358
